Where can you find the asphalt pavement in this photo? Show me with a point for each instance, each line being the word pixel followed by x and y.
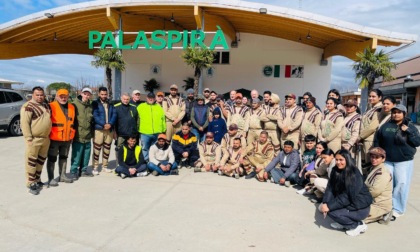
pixel 189 212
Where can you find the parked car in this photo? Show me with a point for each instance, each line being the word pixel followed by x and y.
pixel 10 103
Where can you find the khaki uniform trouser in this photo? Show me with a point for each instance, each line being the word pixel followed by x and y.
pixel 335 144
pixel 253 135
pixel 35 156
pixel 199 164
pixel 171 130
pixel 103 139
pixel 250 162
pixel 291 136
pixel 367 144
pixel 376 213
pixel 320 184
pixel 228 170
pixel 274 138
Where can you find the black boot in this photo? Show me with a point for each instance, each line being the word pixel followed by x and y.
pixel 62 165
pixel 50 171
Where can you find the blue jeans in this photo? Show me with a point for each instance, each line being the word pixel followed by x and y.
pixel 146 142
pixel 401 173
pixel 201 136
pixel 277 174
pixel 154 167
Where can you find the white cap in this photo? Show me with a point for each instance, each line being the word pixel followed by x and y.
pixel 136 92
pixel 86 89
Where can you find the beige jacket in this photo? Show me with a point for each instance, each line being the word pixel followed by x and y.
pixel 257 118
pixel 379 182
pixel 351 127
pixel 290 117
pixel 310 123
pixel 260 153
pixel 35 120
pixel 331 126
pixel 174 108
pixel 210 153
pixel 240 116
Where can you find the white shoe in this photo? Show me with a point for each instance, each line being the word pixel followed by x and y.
pixel 219 172
pixel 142 174
pixel 123 176
pixel 358 230
pixel 301 191
pixel 287 184
pixel 95 172
pixel 236 176
pixel 337 226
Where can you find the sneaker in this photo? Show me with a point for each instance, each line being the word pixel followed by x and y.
pixel 74 176
pixel 236 175
pixel 39 185
pixel 123 176
pixel 95 172
pixel 337 226
pixel 287 184
pixel 142 174
pixel 107 170
pixel 251 175
pixel 386 218
pixel 53 182
pixel 316 200
pixel 396 214
pixel 174 172
pixel 301 191
pixel 219 172
pixel 196 169
pixel 87 174
pixel 361 228
pixel 33 189
pixel 155 173
pixel 271 180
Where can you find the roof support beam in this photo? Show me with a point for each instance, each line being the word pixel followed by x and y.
pixel 113 17
pixel 348 48
pixel 36 48
pixel 225 25
pixel 198 16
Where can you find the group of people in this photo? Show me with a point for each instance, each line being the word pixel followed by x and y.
pixel 317 149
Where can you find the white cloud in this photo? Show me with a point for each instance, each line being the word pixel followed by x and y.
pixel 40 81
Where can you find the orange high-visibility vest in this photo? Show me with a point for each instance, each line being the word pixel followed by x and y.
pixel 62 125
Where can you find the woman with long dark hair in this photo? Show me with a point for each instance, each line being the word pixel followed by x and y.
pixel 388 102
pixel 347 199
pixel 370 123
pixel 399 138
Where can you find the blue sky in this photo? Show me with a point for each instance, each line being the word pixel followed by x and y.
pixel 393 15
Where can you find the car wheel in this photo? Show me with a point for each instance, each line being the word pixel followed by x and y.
pixel 14 127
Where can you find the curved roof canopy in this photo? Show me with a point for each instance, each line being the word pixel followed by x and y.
pixel 65 29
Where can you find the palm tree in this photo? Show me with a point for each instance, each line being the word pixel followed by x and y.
pixel 199 58
pixel 151 85
pixel 109 59
pixel 189 83
pixel 370 66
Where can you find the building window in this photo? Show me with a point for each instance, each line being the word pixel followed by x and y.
pixel 221 58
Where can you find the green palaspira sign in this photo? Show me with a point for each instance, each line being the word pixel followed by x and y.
pixel 159 40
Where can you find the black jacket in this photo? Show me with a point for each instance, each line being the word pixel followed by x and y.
pixel 127 118
pixel 355 198
pixel 400 146
pixel 130 160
